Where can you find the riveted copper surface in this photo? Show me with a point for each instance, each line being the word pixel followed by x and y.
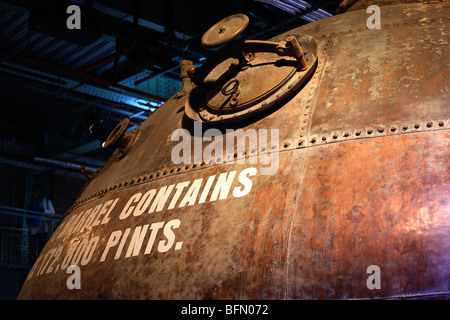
pixel 362 180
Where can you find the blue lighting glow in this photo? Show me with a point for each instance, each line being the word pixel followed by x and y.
pixel 295 7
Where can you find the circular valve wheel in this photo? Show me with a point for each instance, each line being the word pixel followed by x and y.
pixel 232 87
pixel 225 30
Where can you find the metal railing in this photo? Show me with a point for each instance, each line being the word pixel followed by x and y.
pixel 18 247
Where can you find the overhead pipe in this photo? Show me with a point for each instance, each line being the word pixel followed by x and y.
pixel 117 55
pixel 43 167
pixel 79 97
pixel 81 75
pixel 176 48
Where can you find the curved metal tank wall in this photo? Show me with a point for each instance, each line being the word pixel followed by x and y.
pixel 362 180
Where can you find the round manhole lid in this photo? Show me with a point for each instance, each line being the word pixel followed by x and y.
pixel 237 87
pixel 225 30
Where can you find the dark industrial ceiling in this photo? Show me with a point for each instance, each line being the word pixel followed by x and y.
pixel 58 85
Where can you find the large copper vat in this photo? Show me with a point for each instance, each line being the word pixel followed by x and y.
pixel 362 180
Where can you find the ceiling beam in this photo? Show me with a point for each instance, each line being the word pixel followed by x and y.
pixel 80 75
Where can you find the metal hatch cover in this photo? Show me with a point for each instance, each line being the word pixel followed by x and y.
pixel 248 77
